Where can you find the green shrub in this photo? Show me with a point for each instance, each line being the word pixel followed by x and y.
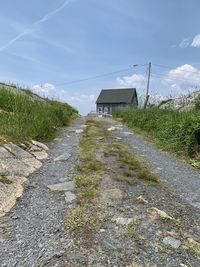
pixel 175 131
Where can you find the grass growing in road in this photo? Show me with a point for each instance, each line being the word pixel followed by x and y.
pixel 23 119
pixel 133 166
pixel 85 217
pixel 178 132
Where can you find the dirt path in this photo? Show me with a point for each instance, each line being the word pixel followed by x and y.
pixel 181 176
pixel 34 229
pixel 123 215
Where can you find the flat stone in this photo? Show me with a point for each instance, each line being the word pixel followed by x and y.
pixel 79 131
pixel 40 154
pixel 141 200
pixel 175 243
pixel 16 167
pixel 63 157
pixel 127 133
pixel 66 186
pixel 83 126
pixel 157 213
pixel 70 197
pixel 4 154
pixel 123 220
pixel 17 151
pixel 112 128
pixel 39 144
pixel 109 245
pixel 118 138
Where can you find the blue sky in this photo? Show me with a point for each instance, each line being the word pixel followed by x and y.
pixel 47 44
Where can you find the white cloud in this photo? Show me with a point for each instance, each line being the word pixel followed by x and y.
pixel 196 41
pixel 32 28
pixel 183 79
pixel 184 43
pixel 176 82
pixel 44 89
pixel 135 80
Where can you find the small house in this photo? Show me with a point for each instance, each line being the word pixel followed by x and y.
pixel 111 99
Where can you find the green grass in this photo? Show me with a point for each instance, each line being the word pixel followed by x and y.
pixel 89 170
pixel 133 166
pixel 23 119
pixel 178 132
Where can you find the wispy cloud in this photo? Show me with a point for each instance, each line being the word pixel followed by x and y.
pixel 32 28
pixel 184 43
pixel 190 42
pixel 196 41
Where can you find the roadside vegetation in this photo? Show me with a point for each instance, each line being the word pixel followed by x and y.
pixel 178 132
pixel 23 118
pixel 85 217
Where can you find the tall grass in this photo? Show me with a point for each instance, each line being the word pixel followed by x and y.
pixel 22 118
pixel 178 132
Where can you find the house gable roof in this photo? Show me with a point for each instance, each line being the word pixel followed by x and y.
pixel 116 96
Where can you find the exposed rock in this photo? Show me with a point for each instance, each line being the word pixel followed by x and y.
pixel 100 138
pixel 10 192
pixel 17 151
pixel 79 131
pixel 4 237
pixel 123 220
pixel 70 197
pixel 118 138
pixel 39 144
pixel 13 166
pixel 112 128
pixel 141 200
pixel 31 148
pixel 183 103
pixel 4 154
pixel 156 213
pixel 175 243
pixel 66 186
pixel 63 157
pixel 127 133
pixel 109 245
pixel 40 154
pixel 83 126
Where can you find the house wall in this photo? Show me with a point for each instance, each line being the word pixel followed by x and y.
pixel 110 108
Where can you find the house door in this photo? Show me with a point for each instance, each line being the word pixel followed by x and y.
pixel 106 110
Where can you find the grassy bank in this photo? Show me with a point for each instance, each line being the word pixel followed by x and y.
pixel 178 132
pixel 22 118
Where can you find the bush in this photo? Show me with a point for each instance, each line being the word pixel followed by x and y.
pixel 175 131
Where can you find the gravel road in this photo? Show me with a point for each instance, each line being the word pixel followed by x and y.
pixel 181 176
pixel 35 226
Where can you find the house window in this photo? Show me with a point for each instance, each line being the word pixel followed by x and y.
pixel 100 110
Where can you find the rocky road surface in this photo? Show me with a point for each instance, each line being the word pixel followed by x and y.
pixel 33 233
pixel 182 177
pixel 34 229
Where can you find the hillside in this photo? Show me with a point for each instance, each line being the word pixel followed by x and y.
pixel 25 115
pixel 174 131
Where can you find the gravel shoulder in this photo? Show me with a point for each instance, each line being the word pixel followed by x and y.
pixel 34 230
pixel 183 178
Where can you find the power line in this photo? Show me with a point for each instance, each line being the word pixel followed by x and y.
pixel 93 77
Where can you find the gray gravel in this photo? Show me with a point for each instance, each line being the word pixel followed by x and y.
pixel 181 176
pixel 36 224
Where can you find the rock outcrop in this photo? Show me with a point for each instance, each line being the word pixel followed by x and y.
pixel 16 163
pixel 184 103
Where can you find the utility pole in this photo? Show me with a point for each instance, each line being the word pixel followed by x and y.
pixel 148 82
